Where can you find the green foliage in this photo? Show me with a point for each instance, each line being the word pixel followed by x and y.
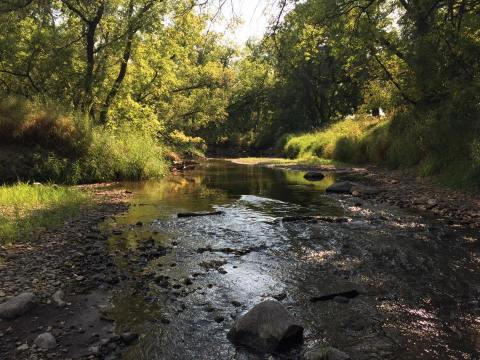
pixel 26 209
pixel 415 60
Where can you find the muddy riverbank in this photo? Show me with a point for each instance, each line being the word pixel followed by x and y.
pixel 147 284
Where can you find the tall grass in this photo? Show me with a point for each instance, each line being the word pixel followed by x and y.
pixel 41 141
pixel 355 139
pixel 25 209
pixel 398 141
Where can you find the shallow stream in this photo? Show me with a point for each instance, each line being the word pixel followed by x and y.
pixel 186 280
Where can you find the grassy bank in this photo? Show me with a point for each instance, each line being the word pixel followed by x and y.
pixel 44 142
pixel 392 142
pixel 26 209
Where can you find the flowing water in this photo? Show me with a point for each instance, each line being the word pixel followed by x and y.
pixel 186 280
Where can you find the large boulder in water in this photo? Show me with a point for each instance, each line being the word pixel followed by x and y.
pixel 267 327
pixel 17 305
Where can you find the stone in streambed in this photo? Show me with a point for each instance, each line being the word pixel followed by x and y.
pixel 320 352
pixel 17 305
pixel 342 187
pixel 128 337
pixel 314 176
pixel 45 341
pixel 58 298
pixel 267 327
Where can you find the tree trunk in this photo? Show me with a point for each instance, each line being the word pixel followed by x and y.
pixel 123 67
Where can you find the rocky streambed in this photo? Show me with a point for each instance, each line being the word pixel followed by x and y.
pixel 363 279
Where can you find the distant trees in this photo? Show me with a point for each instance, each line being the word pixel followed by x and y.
pixel 417 60
pixel 146 62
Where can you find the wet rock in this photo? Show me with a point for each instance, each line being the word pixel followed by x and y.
pixel 342 187
pixel 45 341
pixel 314 176
pixel 128 337
pixel 17 305
pixel 219 319
pixel 280 296
pixel 266 327
pixel 236 303
pixel 22 347
pixel 58 298
pixel 212 264
pixel 187 281
pixel 195 214
pixel 341 299
pixel 321 352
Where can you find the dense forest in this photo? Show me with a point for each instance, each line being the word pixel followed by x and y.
pixel 109 89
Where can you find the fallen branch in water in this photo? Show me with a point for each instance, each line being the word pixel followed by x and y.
pixel 350 294
pixel 194 214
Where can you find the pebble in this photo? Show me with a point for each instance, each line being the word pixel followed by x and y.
pixel 45 341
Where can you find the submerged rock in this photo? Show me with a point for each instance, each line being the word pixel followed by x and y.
pixel 314 176
pixel 45 341
pixel 267 327
pixel 17 305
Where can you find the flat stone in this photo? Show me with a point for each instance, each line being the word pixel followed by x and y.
pixel 17 305
pixel 340 187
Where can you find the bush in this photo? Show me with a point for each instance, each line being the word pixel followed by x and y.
pixel 42 124
pixel 120 155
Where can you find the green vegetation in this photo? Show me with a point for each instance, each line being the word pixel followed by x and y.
pixel 104 90
pixel 328 68
pixel 26 209
pixel 109 89
pixel 43 143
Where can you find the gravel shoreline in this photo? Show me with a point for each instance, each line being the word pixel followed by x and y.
pixel 455 207
pixel 72 258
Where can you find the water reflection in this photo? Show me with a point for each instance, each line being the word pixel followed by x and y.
pixel 382 252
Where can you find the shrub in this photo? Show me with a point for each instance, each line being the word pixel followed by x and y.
pixel 42 143
pixel 120 155
pixel 43 124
